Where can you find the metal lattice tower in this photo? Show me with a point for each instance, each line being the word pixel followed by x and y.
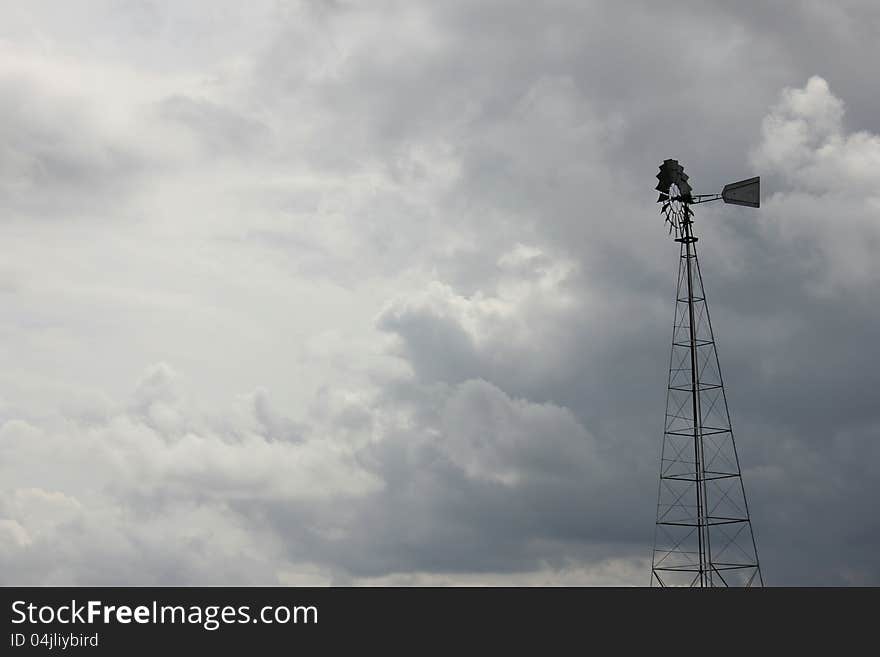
pixel 703 535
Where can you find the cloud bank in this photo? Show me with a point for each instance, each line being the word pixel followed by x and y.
pixel 312 293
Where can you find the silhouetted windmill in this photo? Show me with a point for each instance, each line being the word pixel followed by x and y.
pixel 703 535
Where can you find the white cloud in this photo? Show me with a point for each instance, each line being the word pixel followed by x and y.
pixel 489 435
pixel 825 203
pixel 156 486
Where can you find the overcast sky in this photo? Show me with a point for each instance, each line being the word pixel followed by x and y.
pixel 377 292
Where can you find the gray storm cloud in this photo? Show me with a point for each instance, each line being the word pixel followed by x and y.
pixel 311 292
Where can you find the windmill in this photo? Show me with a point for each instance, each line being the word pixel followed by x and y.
pixel 703 534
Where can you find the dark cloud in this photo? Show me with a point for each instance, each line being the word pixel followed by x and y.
pixel 424 235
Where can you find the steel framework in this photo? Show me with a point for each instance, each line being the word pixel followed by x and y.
pixel 703 534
